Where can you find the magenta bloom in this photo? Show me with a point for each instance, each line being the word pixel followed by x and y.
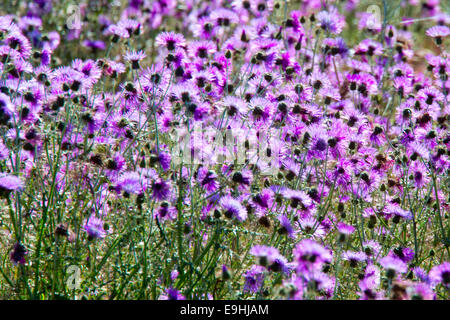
pixel 10 183
pixel 298 198
pixel 438 32
pixel 94 44
pixel 285 226
pixel 172 294
pixel 170 40
pixel 233 208
pixel 345 228
pixel 310 255
pixel 398 213
pixel 441 274
pixel 94 228
pixel 330 21
pixel 134 57
pixel 254 279
pixel 130 183
pixel 353 257
pixel 269 257
pixel 160 189
pixel 164 160
pixel 393 266
pixel 404 254
pixel 117 32
pixel 345 231
pixel 201 49
pixel 208 179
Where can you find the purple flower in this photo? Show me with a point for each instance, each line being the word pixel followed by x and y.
pixel 353 257
pixel 311 255
pixel 4 151
pixel 132 26
pixel 6 109
pixel 242 178
pixel 223 17
pixel 134 57
pixel 204 28
pixel 397 212
pixel 370 283
pixel 226 274
pixel 372 276
pixel 404 254
pixel 421 275
pixel 233 208
pixel 403 85
pixel 421 291
pixel 94 227
pixel 330 21
pixel 18 42
pixel 298 198
pixel 429 95
pixel 285 226
pixel 234 106
pixel 89 69
pixel 370 22
pixel 369 47
pixel 261 110
pixel 345 229
pixel 438 32
pixel 318 144
pixel 393 266
pixel 367 293
pixel 170 40
pixel 201 49
pixel 441 274
pixel 160 189
pixel 254 279
pixel 164 160
pixel 130 183
pixel 321 283
pixel 115 164
pixel 172 294
pixel 174 275
pixel 117 32
pixel 94 44
pixel 310 225
pixel 364 83
pixel 263 201
pixel 10 183
pixel 269 257
pixel 166 212
pixel 207 179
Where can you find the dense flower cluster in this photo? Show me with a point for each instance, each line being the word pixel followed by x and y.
pixel 356 126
